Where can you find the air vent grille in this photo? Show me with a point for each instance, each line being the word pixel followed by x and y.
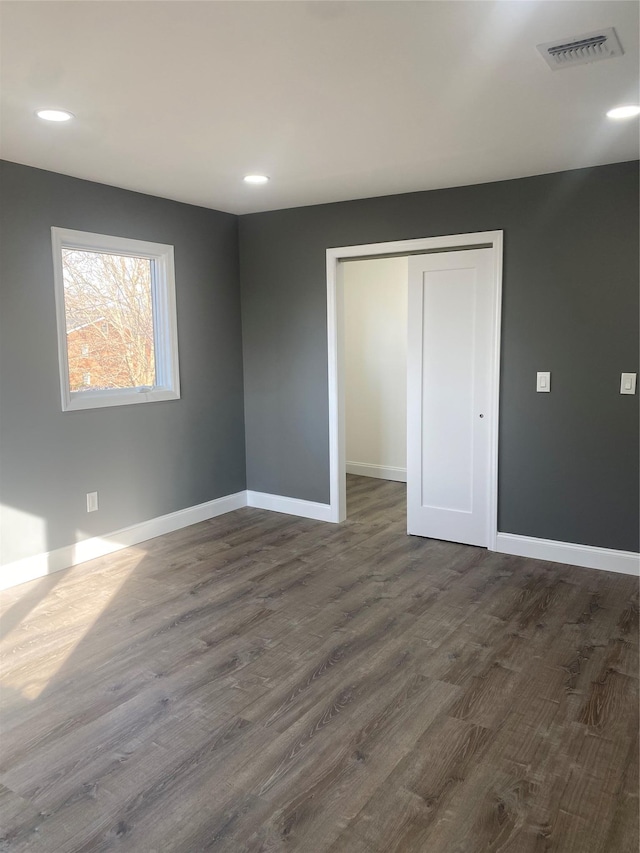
pixel 590 47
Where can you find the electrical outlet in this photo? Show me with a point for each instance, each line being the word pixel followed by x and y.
pixel 92 501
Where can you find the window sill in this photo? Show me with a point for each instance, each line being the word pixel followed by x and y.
pixel 80 400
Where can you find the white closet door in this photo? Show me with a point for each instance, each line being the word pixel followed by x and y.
pixel 450 349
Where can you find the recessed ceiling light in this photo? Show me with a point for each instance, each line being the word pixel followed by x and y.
pixel 255 179
pixel 54 115
pixel 627 111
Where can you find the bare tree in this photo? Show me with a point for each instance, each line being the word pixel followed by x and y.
pixel 110 296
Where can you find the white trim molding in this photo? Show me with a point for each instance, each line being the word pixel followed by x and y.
pixel 290 506
pixel 335 355
pixel 586 556
pixel 381 472
pixel 40 565
pixel 31 568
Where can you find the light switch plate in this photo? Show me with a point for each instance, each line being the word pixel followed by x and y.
pixel 628 383
pixel 543 383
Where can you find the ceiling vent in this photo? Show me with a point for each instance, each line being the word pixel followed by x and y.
pixel 590 47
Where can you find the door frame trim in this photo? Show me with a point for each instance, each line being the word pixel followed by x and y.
pixel 335 355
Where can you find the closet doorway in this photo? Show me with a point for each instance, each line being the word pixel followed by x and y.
pixel 452 308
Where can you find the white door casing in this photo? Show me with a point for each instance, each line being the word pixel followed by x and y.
pixel 449 413
pixel 493 241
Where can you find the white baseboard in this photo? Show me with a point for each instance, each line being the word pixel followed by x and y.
pixel 381 472
pixel 30 568
pixel 587 556
pixel 39 565
pixel 290 506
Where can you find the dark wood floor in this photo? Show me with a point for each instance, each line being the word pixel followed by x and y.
pixel 265 683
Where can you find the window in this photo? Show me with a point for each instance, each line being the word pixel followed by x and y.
pixel 117 334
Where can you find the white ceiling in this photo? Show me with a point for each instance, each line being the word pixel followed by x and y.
pixel 333 100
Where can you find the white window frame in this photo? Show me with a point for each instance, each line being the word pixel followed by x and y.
pixel 165 327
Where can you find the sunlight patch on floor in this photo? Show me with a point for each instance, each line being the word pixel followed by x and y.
pixel 54 598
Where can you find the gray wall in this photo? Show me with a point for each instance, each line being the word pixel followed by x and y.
pixel 568 460
pixel 144 460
